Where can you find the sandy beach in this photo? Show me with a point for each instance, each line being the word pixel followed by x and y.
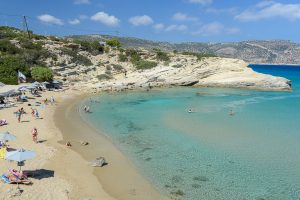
pixel 64 172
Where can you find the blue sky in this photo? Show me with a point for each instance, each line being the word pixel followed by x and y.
pixel 163 20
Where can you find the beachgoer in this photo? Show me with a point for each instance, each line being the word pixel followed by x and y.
pixel 32 112
pixel 34 135
pixel 231 113
pixel 37 116
pixel 84 108
pixel 68 144
pixel 51 100
pixel 45 101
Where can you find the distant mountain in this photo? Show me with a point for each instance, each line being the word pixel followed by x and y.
pixel 257 51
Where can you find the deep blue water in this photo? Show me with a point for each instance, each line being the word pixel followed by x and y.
pixel 209 154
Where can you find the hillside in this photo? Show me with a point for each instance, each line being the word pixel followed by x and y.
pixel 272 52
pixel 89 64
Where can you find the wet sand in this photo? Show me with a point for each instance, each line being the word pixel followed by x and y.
pixel 119 178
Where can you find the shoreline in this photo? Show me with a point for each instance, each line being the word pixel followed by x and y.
pixel 119 179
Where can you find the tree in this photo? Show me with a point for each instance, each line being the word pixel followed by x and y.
pixel 113 43
pixel 42 74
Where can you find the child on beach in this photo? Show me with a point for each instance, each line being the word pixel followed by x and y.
pixel 34 135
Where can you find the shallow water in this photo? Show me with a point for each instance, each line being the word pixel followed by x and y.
pixel 209 154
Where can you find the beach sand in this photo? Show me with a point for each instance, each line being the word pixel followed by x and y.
pixel 64 172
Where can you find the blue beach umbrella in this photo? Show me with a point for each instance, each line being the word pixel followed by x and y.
pixel 20 155
pixel 6 136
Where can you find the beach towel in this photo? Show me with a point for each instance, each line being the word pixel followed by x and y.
pixel 3 152
pixel 11 178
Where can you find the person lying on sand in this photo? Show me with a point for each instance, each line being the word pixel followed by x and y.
pixel 68 144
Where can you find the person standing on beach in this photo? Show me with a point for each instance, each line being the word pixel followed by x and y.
pixel 51 100
pixel 34 135
pixel 19 114
pixel 37 116
pixel 32 112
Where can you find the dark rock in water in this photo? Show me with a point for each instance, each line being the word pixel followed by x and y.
pixel 176 179
pixel 200 178
pixel 148 159
pixel 196 186
pixel 144 149
pixel 177 193
pixel 167 186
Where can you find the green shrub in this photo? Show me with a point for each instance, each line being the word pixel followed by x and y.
pixel 42 74
pixel 8 48
pixel 200 56
pixel 117 67
pixel 162 56
pixel 177 65
pixel 9 66
pixel 113 43
pixel 145 64
pixel 103 77
pixel 75 57
pixel 123 58
pixel 92 47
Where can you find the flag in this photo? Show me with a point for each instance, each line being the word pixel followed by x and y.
pixel 21 77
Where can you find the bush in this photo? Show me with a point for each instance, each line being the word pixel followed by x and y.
pixel 42 74
pixel 162 56
pixel 103 77
pixel 75 57
pixel 113 43
pixel 9 66
pixel 177 65
pixel 200 56
pixel 145 64
pixel 117 67
pixel 92 47
pixel 133 54
pixel 123 58
pixel 7 47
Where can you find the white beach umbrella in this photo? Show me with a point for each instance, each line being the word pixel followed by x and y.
pixel 6 136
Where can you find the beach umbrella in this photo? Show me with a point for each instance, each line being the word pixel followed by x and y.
pixel 20 156
pixel 55 82
pixel 6 136
pixel 32 87
pixel 23 88
pixel 36 83
pixel 46 83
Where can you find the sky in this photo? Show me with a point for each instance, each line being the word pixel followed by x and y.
pixel 159 20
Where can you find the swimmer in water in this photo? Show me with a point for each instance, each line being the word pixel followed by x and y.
pixel 231 113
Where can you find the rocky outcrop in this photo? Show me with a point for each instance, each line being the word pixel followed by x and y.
pixel 211 72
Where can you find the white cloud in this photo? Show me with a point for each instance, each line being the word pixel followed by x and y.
pixel 49 19
pixel 74 21
pixel 78 2
pixel 270 9
pixel 202 2
pixel 230 11
pixel 175 27
pixel 233 31
pixel 83 17
pixel 213 28
pixel 106 19
pixel 183 17
pixel 141 20
pixel 158 27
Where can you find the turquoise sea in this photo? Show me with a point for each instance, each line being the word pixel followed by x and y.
pixel 209 154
